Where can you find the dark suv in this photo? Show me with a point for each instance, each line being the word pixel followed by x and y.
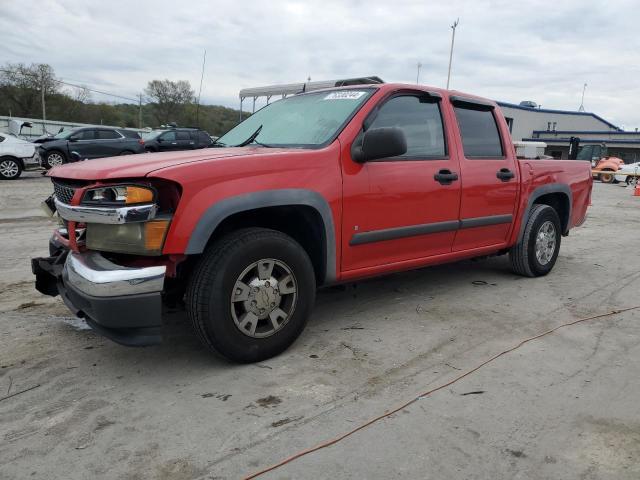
pixel 176 139
pixel 89 142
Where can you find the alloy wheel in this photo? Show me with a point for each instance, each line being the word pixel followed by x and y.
pixel 9 168
pixel 545 242
pixel 263 298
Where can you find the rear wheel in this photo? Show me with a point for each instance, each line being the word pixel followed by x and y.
pixel 607 177
pixel 10 168
pixel 537 252
pixel 631 180
pixel 251 295
pixel 53 159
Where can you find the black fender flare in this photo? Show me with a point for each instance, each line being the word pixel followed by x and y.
pixel 539 192
pixel 221 210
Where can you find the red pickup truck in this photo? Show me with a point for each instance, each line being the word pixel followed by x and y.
pixel 315 189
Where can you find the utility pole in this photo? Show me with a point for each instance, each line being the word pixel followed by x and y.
pixel 581 109
pixel 204 59
pixel 140 110
pixel 418 75
pixel 44 110
pixel 453 37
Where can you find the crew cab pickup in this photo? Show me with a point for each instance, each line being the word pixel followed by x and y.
pixel 315 189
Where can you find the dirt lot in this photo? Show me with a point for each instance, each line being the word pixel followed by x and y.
pixel 564 406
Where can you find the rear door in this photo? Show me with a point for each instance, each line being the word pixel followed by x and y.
pixel 489 174
pixel 185 139
pixel 108 143
pixel 394 209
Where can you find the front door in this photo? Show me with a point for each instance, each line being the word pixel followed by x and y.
pixel 394 209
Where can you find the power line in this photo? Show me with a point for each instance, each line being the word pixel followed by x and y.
pixel 73 85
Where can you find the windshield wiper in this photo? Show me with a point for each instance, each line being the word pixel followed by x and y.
pixel 251 138
pixel 217 143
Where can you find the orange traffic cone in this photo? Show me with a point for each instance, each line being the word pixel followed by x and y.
pixel 636 190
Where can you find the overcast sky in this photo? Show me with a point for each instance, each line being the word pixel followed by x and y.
pixel 506 50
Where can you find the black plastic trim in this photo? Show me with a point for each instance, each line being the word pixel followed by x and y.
pixel 471 103
pixel 485 221
pixel 403 232
pixel 363 238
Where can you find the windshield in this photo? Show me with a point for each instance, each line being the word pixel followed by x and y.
pixel 152 134
pixel 63 134
pixel 306 120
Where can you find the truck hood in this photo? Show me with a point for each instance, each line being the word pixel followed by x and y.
pixel 141 165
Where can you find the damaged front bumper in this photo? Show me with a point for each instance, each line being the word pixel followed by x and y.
pixel 122 303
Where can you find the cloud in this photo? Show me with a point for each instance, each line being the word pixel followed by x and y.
pixel 505 50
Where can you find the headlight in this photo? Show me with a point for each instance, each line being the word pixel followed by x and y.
pixel 119 195
pixel 143 238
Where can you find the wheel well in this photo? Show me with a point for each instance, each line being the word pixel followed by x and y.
pixel 560 203
pixel 303 223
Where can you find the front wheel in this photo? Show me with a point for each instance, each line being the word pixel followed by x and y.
pixel 10 168
pixel 537 251
pixel 53 159
pixel 251 294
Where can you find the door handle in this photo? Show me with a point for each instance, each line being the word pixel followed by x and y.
pixel 505 174
pixel 445 177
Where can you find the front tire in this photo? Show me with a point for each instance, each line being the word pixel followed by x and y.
pixel 54 159
pixel 251 294
pixel 10 168
pixel 537 252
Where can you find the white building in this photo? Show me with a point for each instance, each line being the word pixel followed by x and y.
pixel 556 127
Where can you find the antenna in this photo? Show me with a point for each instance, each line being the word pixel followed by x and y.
pixel 204 59
pixel 418 75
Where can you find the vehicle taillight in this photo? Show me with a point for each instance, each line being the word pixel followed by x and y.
pixel 141 142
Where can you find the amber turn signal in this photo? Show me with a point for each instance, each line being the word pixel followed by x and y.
pixel 138 195
pixel 154 233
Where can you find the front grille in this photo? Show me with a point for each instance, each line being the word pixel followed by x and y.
pixel 63 193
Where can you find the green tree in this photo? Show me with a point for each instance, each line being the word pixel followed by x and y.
pixel 169 99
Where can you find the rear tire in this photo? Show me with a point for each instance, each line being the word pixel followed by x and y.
pixel 10 168
pixel 537 252
pixel 251 294
pixel 607 177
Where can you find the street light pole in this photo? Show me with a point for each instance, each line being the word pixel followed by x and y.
pixel 418 75
pixel 44 110
pixel 453 37
pixel 581 109
pixel 140 110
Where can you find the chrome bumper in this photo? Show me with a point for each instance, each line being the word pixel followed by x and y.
pixel 92 274
pixel 109 215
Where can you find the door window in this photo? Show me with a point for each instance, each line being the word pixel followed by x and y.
pixel 84 135
pixel 479 131
pixel 107 135
pixel 168 136
pixel 183 136
pixel 420 120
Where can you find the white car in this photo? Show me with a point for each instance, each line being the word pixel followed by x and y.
pixel 16 155
pixel 632 171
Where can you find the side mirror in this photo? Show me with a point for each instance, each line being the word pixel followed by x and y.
pixel 380 143
pixel 76 156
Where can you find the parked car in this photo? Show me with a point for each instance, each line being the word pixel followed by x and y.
pixel 176 139
pixel 89 142
pixel 16 155
pixel 318 188
pixel 628 173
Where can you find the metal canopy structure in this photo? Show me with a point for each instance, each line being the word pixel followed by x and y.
pixel 287 89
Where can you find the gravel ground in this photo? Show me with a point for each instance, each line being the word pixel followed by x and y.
pixel 564 406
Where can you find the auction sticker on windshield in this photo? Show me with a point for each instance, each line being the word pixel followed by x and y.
pixel 345 95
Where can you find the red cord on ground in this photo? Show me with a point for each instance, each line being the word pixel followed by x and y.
pixel 339 438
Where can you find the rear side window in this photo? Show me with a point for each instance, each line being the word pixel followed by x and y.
pixel 183 135
pixel 420 120
pixel 479 131
pixel 203 138
pixel 129 133
pixel 107 135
